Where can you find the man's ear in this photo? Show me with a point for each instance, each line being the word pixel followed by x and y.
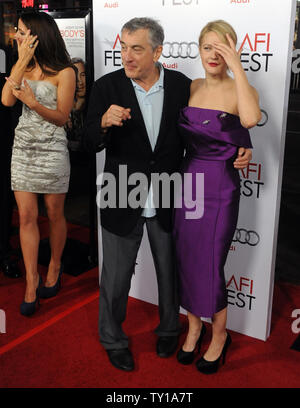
pixel 157 53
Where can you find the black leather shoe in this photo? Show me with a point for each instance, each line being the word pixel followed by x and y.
pixel 10 268
pixel 166 345
pixel 121 359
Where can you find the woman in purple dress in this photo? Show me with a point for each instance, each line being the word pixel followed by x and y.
pixel 214 126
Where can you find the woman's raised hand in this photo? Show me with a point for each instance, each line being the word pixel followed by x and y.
pixel 229 53
pixel 26 47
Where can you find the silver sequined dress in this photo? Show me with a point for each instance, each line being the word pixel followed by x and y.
pixel 40 159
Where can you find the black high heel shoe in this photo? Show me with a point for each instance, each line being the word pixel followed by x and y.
pixel 211 367
pixel 187 357
pixel 29 308
pixel 46 293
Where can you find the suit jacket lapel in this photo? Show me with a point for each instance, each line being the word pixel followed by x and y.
pixel 165 112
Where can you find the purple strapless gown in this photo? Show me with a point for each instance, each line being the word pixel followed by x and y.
pixel 212 139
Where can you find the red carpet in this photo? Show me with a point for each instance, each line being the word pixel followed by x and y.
pixel 59 346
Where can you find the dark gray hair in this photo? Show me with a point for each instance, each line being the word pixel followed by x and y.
pixel 156 32
pixel 77 60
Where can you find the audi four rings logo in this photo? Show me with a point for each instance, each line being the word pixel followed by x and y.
pixel 264 118
pixel 180 50
pixel 246 237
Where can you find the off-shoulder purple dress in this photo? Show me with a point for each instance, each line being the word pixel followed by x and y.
pixel 212 139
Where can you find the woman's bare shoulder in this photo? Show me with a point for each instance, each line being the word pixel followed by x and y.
pixel 196 83
pixel 66 72
pixel 66 76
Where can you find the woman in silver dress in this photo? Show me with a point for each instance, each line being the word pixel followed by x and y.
pixel 44 81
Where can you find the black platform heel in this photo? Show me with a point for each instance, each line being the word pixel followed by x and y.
pixel 46 293
pixel 187 357
pixel 211 367
pixel 29 308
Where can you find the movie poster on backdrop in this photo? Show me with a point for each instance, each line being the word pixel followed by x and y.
pixel 73 32
pixel 2 62
pixel 265 34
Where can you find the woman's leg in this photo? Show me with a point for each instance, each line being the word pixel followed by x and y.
pixel 195 326
pixel 29 238
pixel 218 335
pixel 58 234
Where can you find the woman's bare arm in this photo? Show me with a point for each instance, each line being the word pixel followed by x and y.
pixel 65 98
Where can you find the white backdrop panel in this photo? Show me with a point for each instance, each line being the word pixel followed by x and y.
pixel 265 28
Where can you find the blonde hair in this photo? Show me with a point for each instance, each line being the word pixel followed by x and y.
pixel 221 28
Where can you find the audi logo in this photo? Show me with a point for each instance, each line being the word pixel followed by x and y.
pixel 180 50
pixel 264 118
pixel 243 236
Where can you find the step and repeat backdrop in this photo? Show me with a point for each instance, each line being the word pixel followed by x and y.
pixel 265 32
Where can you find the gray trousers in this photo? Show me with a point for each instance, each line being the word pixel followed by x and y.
pixel 119 258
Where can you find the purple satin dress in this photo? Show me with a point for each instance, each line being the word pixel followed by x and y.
pixel 212 139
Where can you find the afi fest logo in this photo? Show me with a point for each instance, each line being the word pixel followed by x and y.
pixel 2 322
pixel 256 53
pixel 112 57
pixel 251 180
pixel 240 292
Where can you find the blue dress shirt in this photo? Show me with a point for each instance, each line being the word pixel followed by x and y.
pixel 151 105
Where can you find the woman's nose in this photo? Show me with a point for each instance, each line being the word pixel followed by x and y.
pixel 214 54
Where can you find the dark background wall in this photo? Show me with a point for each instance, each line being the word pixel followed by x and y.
pixel 288 250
